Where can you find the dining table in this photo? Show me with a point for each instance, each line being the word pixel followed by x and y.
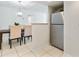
pixel 3 31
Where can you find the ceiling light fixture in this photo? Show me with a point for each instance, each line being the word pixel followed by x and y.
pixel 20 9
pixel 22 3
pixel 29 19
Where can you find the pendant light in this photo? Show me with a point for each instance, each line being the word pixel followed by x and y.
pixel 20 9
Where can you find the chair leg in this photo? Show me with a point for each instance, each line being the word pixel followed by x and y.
pixel 10 43
pixel 31 38
pixel 28 37
pixel 17 40
pixel 20 41
pixel 24 40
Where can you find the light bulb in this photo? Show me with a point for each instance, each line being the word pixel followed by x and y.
pixel 29 19
pixel 19 14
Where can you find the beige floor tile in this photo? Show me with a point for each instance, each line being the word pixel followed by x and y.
pixel 22 46
pixel 10 55
pixel 39 53
pixel 0 53
pixel 6 46
pixel 46 55
pixel 29 54
pixel 48 48
pixel 8 51
pixel 55 53
pixel 22 51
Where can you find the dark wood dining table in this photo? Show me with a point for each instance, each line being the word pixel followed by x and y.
pixel 3 31
pixel 1 34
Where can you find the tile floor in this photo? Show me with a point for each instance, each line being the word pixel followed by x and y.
pixel 25 51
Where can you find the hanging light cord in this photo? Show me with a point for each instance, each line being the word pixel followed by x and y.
pixel 20 5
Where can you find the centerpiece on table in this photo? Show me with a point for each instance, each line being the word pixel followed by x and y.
pixel 16 24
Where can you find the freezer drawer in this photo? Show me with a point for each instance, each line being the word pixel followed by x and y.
pixel 57 36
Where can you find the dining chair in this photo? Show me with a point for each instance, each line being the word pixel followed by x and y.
pixel 27 32
pixel 15 33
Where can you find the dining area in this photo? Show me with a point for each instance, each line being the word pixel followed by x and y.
pixel 18 27
pixel 18 33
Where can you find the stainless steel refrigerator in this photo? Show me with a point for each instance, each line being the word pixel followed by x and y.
pixel 57 30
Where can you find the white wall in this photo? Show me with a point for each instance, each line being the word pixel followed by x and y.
pixel 41 33
pixel 71 30
pixel 8 15
pixel 40 36
pixel 50 10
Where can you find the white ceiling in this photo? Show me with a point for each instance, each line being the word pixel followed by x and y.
pixel 31 3
pixel 50 3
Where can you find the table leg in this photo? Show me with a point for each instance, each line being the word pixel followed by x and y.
pixel 0 40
